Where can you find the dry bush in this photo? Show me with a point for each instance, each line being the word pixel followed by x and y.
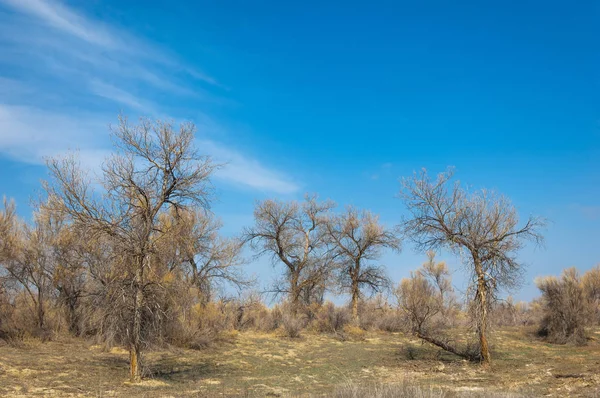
pixel 354 333
pixel 509 313
pixel 390 320
pixel 292 325
pixel 535 313
pixel 254 316
pixel 406 389
pixel 330 319
pixel 591 287
pixel 409 351
pixel 263 319
pixel 20 320
pixel 566 308
pixel 425 304
pixel 274 320
pixel 377 314
pixel 10 330
pixel 396 390
pixel 196 324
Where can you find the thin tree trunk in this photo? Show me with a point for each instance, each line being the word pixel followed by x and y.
pixel 134 349
pixel 482 306
pixel 442 344
pixel 134 363
pixel 295 294
pixel 354 275
pixel 73 318
pixel 70 298
pixel 354 304
pixel 40 310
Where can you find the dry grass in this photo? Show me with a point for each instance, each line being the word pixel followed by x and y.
pixel 270 365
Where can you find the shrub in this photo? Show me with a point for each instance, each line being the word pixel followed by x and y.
pixel 409 351
pixel 566 308
pixel 292 325
pixel 509 313
pixel 407 390
pixel 390 321
pixel 396 390
pixel 272 320
pixel 331 319
pixel 352 332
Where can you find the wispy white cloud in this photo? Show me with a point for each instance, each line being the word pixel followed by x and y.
pixel 55 60
pixel 47 39
pixel 30 135
pixel 242 170
pixel 58 16
pixel 120 96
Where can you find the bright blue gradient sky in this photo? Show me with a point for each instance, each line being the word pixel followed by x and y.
pixel 337 98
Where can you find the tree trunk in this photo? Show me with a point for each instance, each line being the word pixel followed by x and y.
pixel 70 298
pixel 40 310
pixel 482 307
pixel 295 294
pixel 442 344
pixel 73 317
pixel 354 303
pixel 134 349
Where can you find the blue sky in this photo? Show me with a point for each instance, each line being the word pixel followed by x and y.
pixel 337 98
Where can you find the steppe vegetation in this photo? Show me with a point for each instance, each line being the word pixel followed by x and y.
pixel 123 285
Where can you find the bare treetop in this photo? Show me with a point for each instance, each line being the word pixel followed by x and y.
pixel 289 231
pixel 154 168
pixel 294 234
pixel 161 165
pixel 483 223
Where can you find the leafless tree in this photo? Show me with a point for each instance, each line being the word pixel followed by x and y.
pixel 70 270
pixel 28 256
pixel 155 169
pixel 358 239
pixel 294 234
pixel 480 226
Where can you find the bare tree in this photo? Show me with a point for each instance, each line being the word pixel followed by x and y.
pixel 70 270
pixel 358 239
pixel 294 234
pixel 481 226
pixel 155 169
pixel 28 257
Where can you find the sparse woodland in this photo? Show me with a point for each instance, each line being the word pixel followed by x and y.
pixel 132 256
